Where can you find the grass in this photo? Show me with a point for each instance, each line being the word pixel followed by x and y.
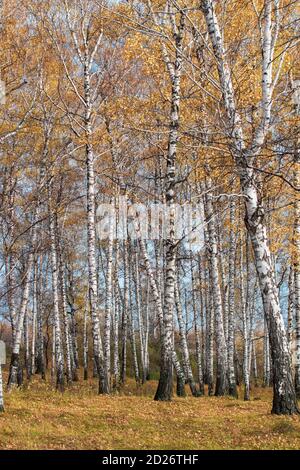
pixel 37 417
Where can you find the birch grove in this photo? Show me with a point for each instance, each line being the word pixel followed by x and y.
pixel 150 214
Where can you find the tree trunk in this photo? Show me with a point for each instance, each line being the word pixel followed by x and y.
pixel 34 320
pixel 108 310
pixel 125 313
pixel 231 307
pixel 26 348
pixel 290 325
pixel 40 361
pixel 60 381
pixel 85 345
pixel 140 319
pixel 203 324
pixel 117 313
pixel 296 266
pixel 91 230
pixel 159 310
pixel 15 356
pixel 267 371
pixel 284 400
pixel 244 308
pixel 210 319
pixel 67 335
pixel 184 346
pixel 197 333
pixel 221 349
pixel 165 385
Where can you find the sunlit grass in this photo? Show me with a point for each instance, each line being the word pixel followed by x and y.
pixel 37 417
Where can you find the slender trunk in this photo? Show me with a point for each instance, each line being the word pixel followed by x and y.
pixel 26 347
pixel 67 335
pixel 284 399
pixel 73 330
pixel 91 230
pixel 221 349
pixel 184 345
pixel 40 361
pixel 108 310
pixel 203 326
pixel 140 319
pixel 74 344
pixel 133 344
pixel 290 326
pixel 117 312
pixel 125 314
pixel 211 329
pixel 60 381
pixel 15 356
pixel 159 268
pixel 159 310
pixel 85 345
pixel 34 320
pixel 224 287
pixel 267 371
pixel 53 360
pixel 244 308
pixel 296 266
pixel 165 386
pixel 231 307
pixel 147 361
pixel 197 332
pixel 255 372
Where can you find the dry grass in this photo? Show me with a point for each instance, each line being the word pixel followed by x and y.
pixel 37 417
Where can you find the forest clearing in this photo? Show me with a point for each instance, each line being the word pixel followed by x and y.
pixel 81 419
pixel 149 224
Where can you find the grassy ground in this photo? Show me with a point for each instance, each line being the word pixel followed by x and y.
pixel 37 417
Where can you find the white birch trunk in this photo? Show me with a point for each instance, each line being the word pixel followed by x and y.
pixel 140 319
pixel 165 385
pixel 159 310
pixel 184 345
pixel 296 266
pixel 53 358
pixel 91 231
pixel 59 362
pixel 67 335
pixel 210 319
pixel 109 309
pixel 267 368
pixel 284 399
pixel 85 344
pixel 34 319
pixel 290 325
pixel 40 362
pixel 26 351
pixel 231 307
pixel 203 325
pixel 221 348
pixel 245 327
pixel 117 312
pixel 125 313
pixel 15 356
pixel 132 332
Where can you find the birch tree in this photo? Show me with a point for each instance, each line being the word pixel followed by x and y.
pixel 245 157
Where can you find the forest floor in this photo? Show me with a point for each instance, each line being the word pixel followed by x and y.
pixel 37 417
